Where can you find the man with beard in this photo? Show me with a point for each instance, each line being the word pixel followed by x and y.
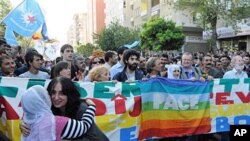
pixel 207 70
pixel 130 72
pixel 237 71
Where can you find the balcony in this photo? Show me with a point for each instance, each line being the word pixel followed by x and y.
pixel 155 10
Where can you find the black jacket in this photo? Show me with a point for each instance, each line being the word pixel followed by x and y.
pixel 122 77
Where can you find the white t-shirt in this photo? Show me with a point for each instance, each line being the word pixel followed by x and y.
pixel 39 75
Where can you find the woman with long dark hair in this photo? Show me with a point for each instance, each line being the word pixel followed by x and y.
pixel 66 101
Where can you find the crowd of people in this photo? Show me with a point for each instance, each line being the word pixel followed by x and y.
pixel 125 65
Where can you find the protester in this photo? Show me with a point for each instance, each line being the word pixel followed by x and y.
pixel 142 66
pixel 110 59
pixel 119 66
pixel 34 62
pixel 7 66
pixel 61 69
pixel 207 69
pixel 99 73
pixel 187 70
pixel 130 72
pixel 237 71
pixel 66 101
pixel 67 55
pixel 174 71
pixel 44 126
pixel 79 68
pixel 164 61
pixel 154 67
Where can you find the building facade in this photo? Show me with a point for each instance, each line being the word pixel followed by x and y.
pixel 234 37
pixel 114 11
pixel 95 18
pixel 137 12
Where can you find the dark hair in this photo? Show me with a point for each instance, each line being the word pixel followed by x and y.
pixel 59 67
pixel 29 56
pixel 2 41
pixel 202 58
pixel 108 55
pixel 4 57
pixel 120 51
pixel 58 59
pixel 71 91
pixel 64 47
pixel 129 53
pixel 225 56
pixel 165 55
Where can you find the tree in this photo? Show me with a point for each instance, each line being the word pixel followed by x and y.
pixel 85 50
pixel 208 12
pixel 5 8
pixel 115 36
pixel 158 34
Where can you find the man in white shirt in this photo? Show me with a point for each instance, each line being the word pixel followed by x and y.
pixel 119 66
pixel 237 71
pixel 34 62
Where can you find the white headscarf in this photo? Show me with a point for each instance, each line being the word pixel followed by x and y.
pixel 36 105
pixel 171 69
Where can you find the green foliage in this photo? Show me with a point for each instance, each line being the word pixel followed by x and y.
pixel 115 36
pixel 158 34
pixel 85 50
pixel 5 8
pixel 208 12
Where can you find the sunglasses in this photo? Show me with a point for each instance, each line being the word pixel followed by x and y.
pixel 176 70
pixel 96 62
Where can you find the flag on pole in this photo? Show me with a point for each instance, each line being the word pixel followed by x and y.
pixel 25 19
pixel 134 44
pixel 10 37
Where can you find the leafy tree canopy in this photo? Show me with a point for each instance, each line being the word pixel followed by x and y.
pixel 5 8
pixel 208 12
pixel 85 50
pixel 115 36
pixel 158 34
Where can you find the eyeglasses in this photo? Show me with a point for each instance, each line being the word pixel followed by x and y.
pixel 176 70
pixel 96 62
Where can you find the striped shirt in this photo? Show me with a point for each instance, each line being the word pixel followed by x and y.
pixel 75 128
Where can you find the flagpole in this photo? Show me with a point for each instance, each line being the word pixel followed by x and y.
pixel 28 44
pixel 11 11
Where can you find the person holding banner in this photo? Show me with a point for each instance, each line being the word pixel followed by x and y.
pixel 44 125
pixel 154 67
pixel 66 101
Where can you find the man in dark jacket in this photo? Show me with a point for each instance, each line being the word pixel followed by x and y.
pixel 130 72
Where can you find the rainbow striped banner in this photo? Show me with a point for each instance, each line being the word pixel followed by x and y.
pixel 172 108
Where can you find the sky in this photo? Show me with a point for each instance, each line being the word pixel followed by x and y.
pixel 58 15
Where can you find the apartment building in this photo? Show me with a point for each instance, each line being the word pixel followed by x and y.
pixel 95 18
pixel 137 12
pixel 234 37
